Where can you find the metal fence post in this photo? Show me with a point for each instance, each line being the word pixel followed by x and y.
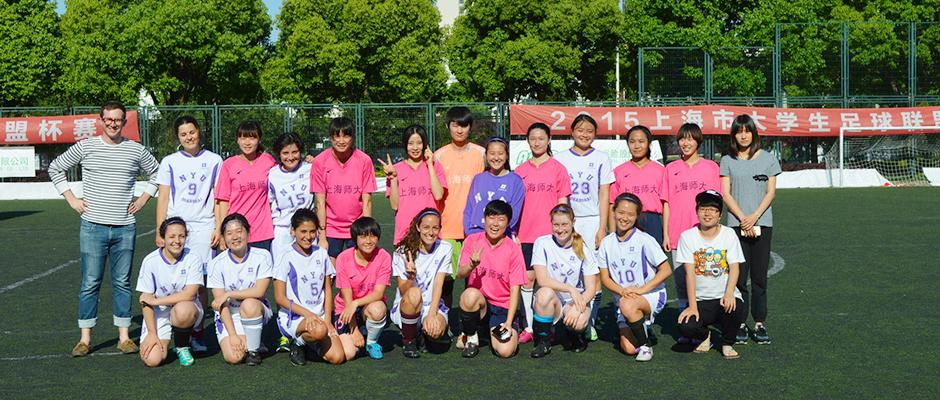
pixel 845 64
pixel 778 89
pixel 639 77
pixel 709 69
pixel 216 129
pixel 912 62
pixel 429 124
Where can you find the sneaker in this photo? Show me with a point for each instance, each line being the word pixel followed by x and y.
pixel 128 347
pixel 644 353
pixel 197 345
pixel 683 340
pixel 470 350
pixel 760 334
pixel 283 345
pixel 80 350
pixel 185 357
pixel 296 352
pixel 410 350
pixel 579 343
pixel 543 347
pixel 742 335
pixel 461 341
pixel 592 334
pixel 253 358
pixel 375 351
pixel 526 336
pixel 705 346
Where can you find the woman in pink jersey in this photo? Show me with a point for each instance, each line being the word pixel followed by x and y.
pixel 415 183
pixel 243 186
pixel 547 184
pixel 685 178
pixel 644 178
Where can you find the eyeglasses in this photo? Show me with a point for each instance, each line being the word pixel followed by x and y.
pixel 113 120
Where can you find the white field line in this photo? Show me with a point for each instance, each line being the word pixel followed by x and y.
pixel 50 356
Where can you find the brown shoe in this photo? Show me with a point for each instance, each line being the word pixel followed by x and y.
pixel 128 347
pixel 80 350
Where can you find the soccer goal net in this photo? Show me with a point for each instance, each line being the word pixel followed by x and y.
pixel 885 156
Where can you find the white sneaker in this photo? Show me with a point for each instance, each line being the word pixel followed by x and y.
pixel 644 353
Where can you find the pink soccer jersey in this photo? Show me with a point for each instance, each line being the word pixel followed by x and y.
pixel 343 186
pixel 361 280
pixel 544 185
pixel 500 267
pixel 244 186
pixel 647 183
pixel 414 193
pixel 682 184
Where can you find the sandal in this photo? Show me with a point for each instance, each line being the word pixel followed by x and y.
pixel 729 353
pixel 705 346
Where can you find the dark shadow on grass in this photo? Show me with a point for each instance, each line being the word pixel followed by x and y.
pixel 16 214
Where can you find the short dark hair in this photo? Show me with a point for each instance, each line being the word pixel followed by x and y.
pixel 183 120
pixel 744 122
pixel 171 221
pixel 690 130
pixel 304 215
pixel 461 115
pixel 112 105
pixel 498 207
pixel 365 226
pixel 236 217
pixel 342 124
pixel 285 140
pixel 548 131
pixel 646 132
pixel 414 130
pixel 583 118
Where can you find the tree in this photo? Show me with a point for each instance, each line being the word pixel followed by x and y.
pixel 356 51
pixel 511 50
pixel 30 44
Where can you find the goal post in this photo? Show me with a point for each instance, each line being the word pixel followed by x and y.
pixel 883 155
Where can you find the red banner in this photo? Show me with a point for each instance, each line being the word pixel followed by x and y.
pixel 717 119
pixel 59 129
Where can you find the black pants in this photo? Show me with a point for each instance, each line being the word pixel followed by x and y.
pixel 710 312
pixel 757 253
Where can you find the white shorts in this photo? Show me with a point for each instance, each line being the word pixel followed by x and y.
pixel 199 242
pixel 565 302
pixel 288 326
pixel 656 300
pixel 162 316
pixel 222 333
pixel 395 314
pixel 587 227
pixel 282 242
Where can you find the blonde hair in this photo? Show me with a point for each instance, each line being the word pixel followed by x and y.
pixel 577 242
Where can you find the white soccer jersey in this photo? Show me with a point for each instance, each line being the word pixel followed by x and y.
pixel 632 262
pixel 226 273
pixel 427 266
pixel 192 186
pixel 163 279
pixel 288 191
pixel 304 276
pixel 563 264
pixel 587 173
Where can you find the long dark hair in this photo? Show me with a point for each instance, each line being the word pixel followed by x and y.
pixel 410 244
pixel 744 122
pixel 548 132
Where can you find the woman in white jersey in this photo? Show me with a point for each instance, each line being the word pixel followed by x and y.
pixel 591 173
pixel 566 271
pixel 169 280
pixel 239 278
pixel 187 181
pixel 303 289
pixel 421 263
pixel 288 190
pixel 633 266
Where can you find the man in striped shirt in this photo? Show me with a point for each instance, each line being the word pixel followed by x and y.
pixel 110 165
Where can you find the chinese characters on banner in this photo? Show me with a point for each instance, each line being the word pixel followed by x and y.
pixel 717 119
pixel 59 129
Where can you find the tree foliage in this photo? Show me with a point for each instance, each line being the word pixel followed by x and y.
pixel 30 44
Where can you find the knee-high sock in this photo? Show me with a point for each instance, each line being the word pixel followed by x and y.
pixel 181 336
pixel 409 327
pixel 374 330
pixel 542 325
pixel 527 305
pixel 595 306
pixel 253 328
pixel 639 333
pixel 470 324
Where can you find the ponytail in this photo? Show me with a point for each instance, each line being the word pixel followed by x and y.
pixel 577 244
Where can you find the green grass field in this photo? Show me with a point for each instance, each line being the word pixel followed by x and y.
pixel 853 314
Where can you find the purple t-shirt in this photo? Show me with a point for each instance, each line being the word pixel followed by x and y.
pixel 485 188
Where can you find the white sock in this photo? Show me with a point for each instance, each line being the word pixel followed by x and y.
pixel 474 338
pixel 374 330
pixel 253 328
pixel 527 306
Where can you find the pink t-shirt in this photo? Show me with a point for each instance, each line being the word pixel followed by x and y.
pixel 414 193
pixel 500 267
pixel 647 183
pixel 244 186
pixel 343 186
pixel 544 185
pixel 683 183
pixel 361 280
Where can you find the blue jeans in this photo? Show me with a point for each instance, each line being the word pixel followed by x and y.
pixel 115 244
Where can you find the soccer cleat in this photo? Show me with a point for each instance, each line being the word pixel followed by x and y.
pixel 297 356
pixel 197 345
pixel 128 347
pixel 705 346
pixel 253 358
pixel 375 351
pixel 579 343
pixel 525 337
pixel 742 335
pixel 410 350
pixel 592 334
pixel 185 357
pixel 283 345
pixel 470 350
pixel 461 341
pixel 760 334
pixel 80 350
pixel 543 347
pixel 644 353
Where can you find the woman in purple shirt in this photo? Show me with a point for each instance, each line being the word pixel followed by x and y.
pixel 496 182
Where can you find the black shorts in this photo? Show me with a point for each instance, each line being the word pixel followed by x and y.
pixel 342 328
pixel 337 245
pixel 496 315
pixel 527 255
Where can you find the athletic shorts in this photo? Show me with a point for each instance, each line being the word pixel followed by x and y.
pixel 395 313
pixel 199 242
pixel 656 300
pixel 565 299
pixel 527 255
pixel 282 242
pixel 496 315
pixel 162 316
pixel 288 326
pixel 223 333
pixel 342 328
pixel 337 245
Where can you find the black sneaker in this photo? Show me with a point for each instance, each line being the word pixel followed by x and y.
pixel 579 343
pixel 743 335
pixel 470 350
pixel 760 334
pixel 253 358
pixel 297 356
pixel 543 347
pixel 410 350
